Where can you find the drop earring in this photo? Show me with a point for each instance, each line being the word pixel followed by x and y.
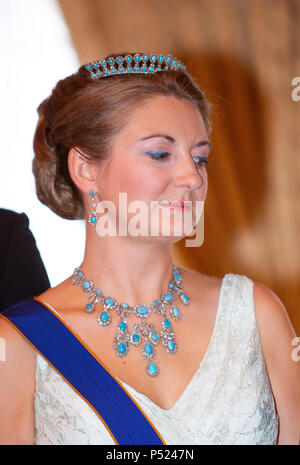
pixel 93 217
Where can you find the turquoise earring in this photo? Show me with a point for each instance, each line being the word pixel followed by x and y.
pixel 93 217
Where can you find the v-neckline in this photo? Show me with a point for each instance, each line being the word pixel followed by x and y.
pixel 131 388
pixel 191 382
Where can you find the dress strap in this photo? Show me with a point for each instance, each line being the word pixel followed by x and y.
pixel 50 337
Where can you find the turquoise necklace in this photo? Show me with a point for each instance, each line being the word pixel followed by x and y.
pixel 142 334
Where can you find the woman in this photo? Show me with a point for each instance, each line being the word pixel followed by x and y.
pixel 215 367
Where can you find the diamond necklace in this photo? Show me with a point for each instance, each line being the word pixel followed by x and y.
pixel 144 333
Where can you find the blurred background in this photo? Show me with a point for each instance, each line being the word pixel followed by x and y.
pixel 244 55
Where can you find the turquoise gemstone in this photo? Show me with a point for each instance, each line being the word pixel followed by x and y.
pixel 111 61
pixel 177 277
pixel 154 336
pixel 103 63
pixel 176 311
pixel 168 297
pixel 144 68
pixel 152 369
pixel 88 67
pixel 86 284
pixel 129 69
pixel 161 58
pixel 145 57
pixel 124 305
pixel 89 306
pixel 104 316
pixel 109 302
pixel 151 69
pixel 137 57
pixel 95 65
pixel 135 337
pixel 113 71
pixel 123 325
pixel 142 310
pixel 171 345
pixel 93 75
pixel 122 348
pixel 171 285
pixel 128 59
pixel 148 348
pixel 185 299
pixel 153 58
pixel 168 59
pixel 121 69
pixel 98 291
pixel 167 323
pixel 155 302
pixel 93 219
pixel 120 61
pixel 106 72
pixel 99 74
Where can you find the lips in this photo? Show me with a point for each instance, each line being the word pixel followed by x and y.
pixel 180 204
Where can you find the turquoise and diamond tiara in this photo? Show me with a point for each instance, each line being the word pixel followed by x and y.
pixel 141 63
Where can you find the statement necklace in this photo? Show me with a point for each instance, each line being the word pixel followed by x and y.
pixel 144 333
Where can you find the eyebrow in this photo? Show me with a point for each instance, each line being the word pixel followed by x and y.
pixel 171 139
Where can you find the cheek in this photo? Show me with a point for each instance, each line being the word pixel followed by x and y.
pixel 201 193
pixel 141 183
pixel 204 188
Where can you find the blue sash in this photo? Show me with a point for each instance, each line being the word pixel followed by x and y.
pixel 51 338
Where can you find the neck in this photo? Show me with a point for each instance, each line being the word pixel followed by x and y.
pixel 131 270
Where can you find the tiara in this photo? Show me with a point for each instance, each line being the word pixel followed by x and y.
pixel 133 64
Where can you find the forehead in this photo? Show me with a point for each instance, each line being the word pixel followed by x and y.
pixel 159 113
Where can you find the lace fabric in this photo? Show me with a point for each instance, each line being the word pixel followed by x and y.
pixel 228 401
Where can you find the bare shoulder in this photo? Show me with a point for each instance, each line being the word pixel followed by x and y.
pixel 273 320
pixel 17 351
pixel 17 378
pixel 17 386
pixel 277 338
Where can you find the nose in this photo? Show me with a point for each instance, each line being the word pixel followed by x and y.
pixel 187 174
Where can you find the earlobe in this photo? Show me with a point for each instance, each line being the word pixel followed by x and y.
pixel 81 171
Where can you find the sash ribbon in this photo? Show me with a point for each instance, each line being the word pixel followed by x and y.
pixel 63 350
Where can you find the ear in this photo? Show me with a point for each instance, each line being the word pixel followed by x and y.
pixel 81 171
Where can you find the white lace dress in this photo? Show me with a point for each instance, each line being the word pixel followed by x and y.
pixel 228 401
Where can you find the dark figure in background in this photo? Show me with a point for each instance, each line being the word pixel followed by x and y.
pixel 22 273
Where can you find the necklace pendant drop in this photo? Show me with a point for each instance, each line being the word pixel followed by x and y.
pixel 121 343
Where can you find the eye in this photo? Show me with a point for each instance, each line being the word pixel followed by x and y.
pixel 200 161
pixel 158 155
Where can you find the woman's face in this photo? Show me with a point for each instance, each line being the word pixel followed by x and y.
pixel 159 155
